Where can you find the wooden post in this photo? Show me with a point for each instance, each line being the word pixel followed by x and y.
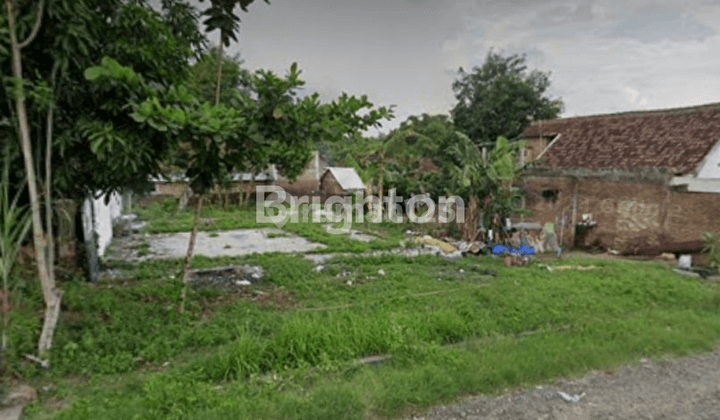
pixel 573 219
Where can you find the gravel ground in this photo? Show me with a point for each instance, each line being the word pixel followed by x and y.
pixel 684 388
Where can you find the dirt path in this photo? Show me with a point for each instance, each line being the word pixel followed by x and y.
pixel 685 388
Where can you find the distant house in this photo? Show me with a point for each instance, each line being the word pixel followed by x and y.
pixel 341 181
pixel 176 185
pixel 308 181
pixel 642 182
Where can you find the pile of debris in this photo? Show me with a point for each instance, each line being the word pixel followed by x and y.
pixel 127 225
pixel 231 277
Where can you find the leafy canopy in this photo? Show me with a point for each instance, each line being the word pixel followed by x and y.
pixel 500 98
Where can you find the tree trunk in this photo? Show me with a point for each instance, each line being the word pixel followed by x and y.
pixel 48 188
pixel 188 256
pixel 381 170
pixel 470 226
pixel 219 72
pixel 51 294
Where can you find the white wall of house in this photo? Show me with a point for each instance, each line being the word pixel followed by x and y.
pixel 698 185
pixel 104 216
pixel 710 168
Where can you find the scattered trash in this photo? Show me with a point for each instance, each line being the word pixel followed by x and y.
pixel 402 244
pixel 571 398
pixel 319 268
pixel 218 388
pixel 229 276
pixel 522 250
pixel 685 262
pixel 476 248
pixel 43 363
pixel 667 256
pixel 428 240
pixel 343 274
pixel 349 282
pixel 613 252
pixel 461 271
pixel 166 364
pixel 454 255
pixel 381 272
pixel 513 260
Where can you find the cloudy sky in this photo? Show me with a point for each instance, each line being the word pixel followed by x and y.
pixel 604 55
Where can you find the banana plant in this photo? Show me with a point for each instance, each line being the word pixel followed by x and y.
pixel 488 181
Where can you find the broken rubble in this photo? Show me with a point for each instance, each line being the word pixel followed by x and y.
pixel 229 276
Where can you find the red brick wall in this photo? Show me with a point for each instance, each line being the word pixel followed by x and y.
pixel 629 215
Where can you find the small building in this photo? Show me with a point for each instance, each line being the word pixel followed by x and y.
pixel 341 181
pixel 177 185
pixel 638 182
pixel 308 182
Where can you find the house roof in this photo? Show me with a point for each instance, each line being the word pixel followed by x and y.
pixel 677 139
pixel 348 178
pixel 235 177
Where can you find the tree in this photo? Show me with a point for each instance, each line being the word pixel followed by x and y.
pixel 500 98
pixel 234 78
pixel 51 294
pixel 50 46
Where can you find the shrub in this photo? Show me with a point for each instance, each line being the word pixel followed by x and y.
pixel 712 247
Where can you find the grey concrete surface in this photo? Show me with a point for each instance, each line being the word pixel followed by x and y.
pixel 229 243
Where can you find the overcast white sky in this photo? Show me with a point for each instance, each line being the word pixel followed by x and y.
pixel 604 55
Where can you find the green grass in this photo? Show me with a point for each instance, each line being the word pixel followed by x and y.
pixel 293 354
pixel 142 248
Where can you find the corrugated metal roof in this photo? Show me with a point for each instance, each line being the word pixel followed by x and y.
pixel 348 178
pixel 244 177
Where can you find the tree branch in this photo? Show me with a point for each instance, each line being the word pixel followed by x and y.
pixel 35 28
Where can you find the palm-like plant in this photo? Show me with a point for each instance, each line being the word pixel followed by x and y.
pixel 14 227
pixel 490 179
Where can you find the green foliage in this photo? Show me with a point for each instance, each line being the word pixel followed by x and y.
pixel 712 247
pixel 14 227
pixel 221 15
pixel 500 97
pixel 492 179
pixel 234 81
pixel 524 326
pixel 73 36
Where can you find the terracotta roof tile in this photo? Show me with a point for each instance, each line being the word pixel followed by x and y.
pixel 677 138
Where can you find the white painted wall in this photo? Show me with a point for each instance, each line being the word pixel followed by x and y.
pixel 104 215
pixel 698 185
pixel 711 164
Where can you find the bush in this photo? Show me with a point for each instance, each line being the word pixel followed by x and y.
pixel 712 247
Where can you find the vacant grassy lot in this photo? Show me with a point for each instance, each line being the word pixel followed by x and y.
pixel 288 348
pixel 167 218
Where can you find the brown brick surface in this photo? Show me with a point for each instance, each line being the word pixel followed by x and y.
pixel 629 215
